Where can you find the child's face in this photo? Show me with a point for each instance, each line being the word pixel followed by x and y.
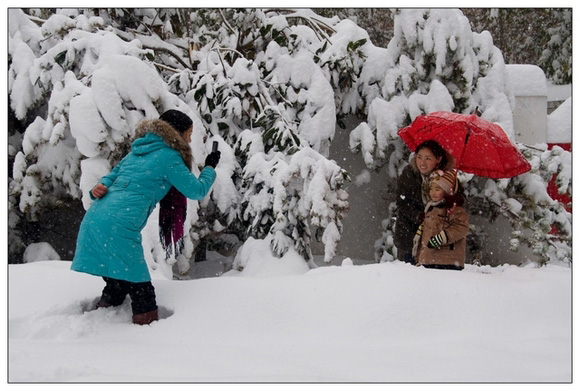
pixel 436 192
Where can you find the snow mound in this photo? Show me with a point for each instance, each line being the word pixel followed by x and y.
pixel 40 252
pixel 255 259
pixel 560 123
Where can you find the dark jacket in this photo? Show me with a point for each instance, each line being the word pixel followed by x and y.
pixel 410 204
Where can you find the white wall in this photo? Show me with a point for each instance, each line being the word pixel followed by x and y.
pixel 530 119
pixel 529 85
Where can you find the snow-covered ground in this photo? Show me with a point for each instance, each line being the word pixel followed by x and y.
pixel 387 322
pixel 277 321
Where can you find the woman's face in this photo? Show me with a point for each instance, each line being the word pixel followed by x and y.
pixel 187 135
pixel 426 161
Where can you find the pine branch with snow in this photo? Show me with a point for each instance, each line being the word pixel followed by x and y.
pixel 435 62
pixel 537 221
pixel 256 76
pixel 270 86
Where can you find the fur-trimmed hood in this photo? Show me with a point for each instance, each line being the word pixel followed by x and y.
pixel 170 136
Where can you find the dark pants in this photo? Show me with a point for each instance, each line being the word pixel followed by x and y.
pixel 142 294
pixel 406 257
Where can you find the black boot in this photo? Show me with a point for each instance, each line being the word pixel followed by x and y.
pixel 103 304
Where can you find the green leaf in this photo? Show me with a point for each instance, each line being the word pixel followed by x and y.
pixel 60 58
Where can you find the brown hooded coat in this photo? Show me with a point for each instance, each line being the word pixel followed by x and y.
pixel 454 221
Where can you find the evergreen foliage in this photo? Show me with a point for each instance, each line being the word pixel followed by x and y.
pixel 271 86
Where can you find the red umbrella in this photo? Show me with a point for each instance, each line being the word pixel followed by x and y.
pixel 480 147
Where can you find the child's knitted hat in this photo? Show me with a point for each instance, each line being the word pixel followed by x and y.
pixel 447 180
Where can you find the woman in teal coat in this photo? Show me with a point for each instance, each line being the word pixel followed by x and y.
pixel 109 239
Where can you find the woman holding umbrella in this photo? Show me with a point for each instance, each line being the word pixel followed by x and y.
pixel 445 140
pixel 413 193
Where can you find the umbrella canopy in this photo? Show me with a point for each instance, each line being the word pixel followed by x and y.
pixel 480 147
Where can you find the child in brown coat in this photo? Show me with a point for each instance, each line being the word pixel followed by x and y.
pixel 440 241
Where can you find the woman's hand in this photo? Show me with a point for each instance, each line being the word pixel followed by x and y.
pixel 99 191
pixel 213 159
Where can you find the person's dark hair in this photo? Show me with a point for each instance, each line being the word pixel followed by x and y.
pixel 178 120
pixel 438 152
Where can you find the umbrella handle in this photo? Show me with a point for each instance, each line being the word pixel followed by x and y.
pixel 465 142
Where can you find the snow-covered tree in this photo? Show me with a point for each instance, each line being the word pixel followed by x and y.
pixel 538 221
pixel 435 62
pixel 268 99
pixel 378 22
pixel 270 86
pixel 539 36
pixel 556 58
pixel 247 78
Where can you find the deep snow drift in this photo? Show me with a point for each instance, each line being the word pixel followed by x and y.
pixel 388 322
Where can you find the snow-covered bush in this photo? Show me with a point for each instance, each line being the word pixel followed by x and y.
pixel 270 86
pixel 40 252
pixel 557 56
pixel 538 221
pixel 247 78
pixel 276 108
pixel 435 62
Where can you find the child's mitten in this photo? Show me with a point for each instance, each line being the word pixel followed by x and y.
pixel 438 240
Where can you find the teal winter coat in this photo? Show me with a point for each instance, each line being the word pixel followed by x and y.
pixel 109 239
